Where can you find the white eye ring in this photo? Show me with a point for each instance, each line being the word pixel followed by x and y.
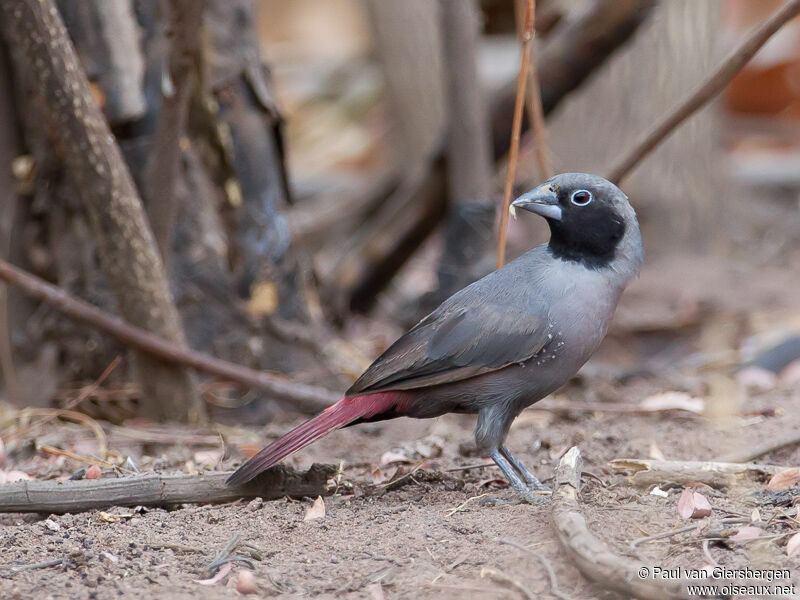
pixel 584 199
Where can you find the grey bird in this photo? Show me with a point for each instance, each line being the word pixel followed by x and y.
pixel 505 341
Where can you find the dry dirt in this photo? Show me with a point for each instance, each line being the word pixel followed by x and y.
pixel 405 538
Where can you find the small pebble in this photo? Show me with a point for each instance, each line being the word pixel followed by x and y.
pixel 94 472
pixel 78 475
pixel 52 525
pixel 246 582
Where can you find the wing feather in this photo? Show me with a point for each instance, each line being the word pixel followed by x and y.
pixel 470 334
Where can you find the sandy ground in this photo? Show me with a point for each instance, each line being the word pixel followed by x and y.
pixel 403 541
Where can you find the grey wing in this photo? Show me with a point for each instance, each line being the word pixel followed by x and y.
pixel 457 342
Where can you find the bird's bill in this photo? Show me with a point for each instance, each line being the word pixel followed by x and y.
pixel 542 201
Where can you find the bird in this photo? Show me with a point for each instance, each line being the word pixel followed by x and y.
pixel 505 341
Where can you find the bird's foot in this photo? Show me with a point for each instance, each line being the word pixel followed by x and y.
pixel 536 496
pixel 494 501
pixel 529 478
pixel 523 481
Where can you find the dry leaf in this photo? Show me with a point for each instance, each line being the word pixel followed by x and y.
pixel 673 401
pixel 317 510
pixel 390 457
pixel 748 532
pixel 429 447
pixel 93 472
pixel 380 476
pixel 784 480
pixel 793 546
pixel 221 574
pixel 693 505
pixel 246 582
pixel 112 517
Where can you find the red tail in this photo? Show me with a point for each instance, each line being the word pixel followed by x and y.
pixel 345 411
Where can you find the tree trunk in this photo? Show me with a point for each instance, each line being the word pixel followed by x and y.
pixel 252 125
pixel 127 251
pixel 184 30
pixel 9 150
pixel 468 228
pixel 408 39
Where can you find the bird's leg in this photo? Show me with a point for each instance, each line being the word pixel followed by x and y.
pixel 523 489
pixel 530 479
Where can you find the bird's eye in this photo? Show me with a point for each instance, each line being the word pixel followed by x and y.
pixel 581 198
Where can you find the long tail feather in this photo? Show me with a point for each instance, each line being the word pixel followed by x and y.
pixel 345 411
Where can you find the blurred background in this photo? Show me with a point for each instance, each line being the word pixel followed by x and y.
pixel 341 169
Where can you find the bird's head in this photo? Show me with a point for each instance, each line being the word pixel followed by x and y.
pixel 590 219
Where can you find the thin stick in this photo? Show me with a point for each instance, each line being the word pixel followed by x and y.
pixel 467 501
pixel 223 554
pixel 303 397
pixel 551 574
pixel 84 393
pixel 536 113
pixel 663 535
pixel 707 89
pixel 76 457
pixel 71 415
pixel 92 388
pixel 508 580
pixel 715 474
pixel 513 151
pixel 14 569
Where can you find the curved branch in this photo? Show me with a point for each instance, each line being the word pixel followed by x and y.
pixel 707 89
pixel 307 398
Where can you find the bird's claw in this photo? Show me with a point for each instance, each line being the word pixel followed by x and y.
pixel 521 479
pixel 535 497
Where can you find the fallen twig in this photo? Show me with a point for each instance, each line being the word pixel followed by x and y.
pixel 592 557
pixel 551 574
pixel 516 127
pixel 76 457
pixel 224 557
pixel 707 89
pixel 304 397
pixel 663 535
pixel 673 532
pixel 467 501
pixel 715 474
pixel 14 569
pixel 70 415
pixel 508 580
pixel 160 490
